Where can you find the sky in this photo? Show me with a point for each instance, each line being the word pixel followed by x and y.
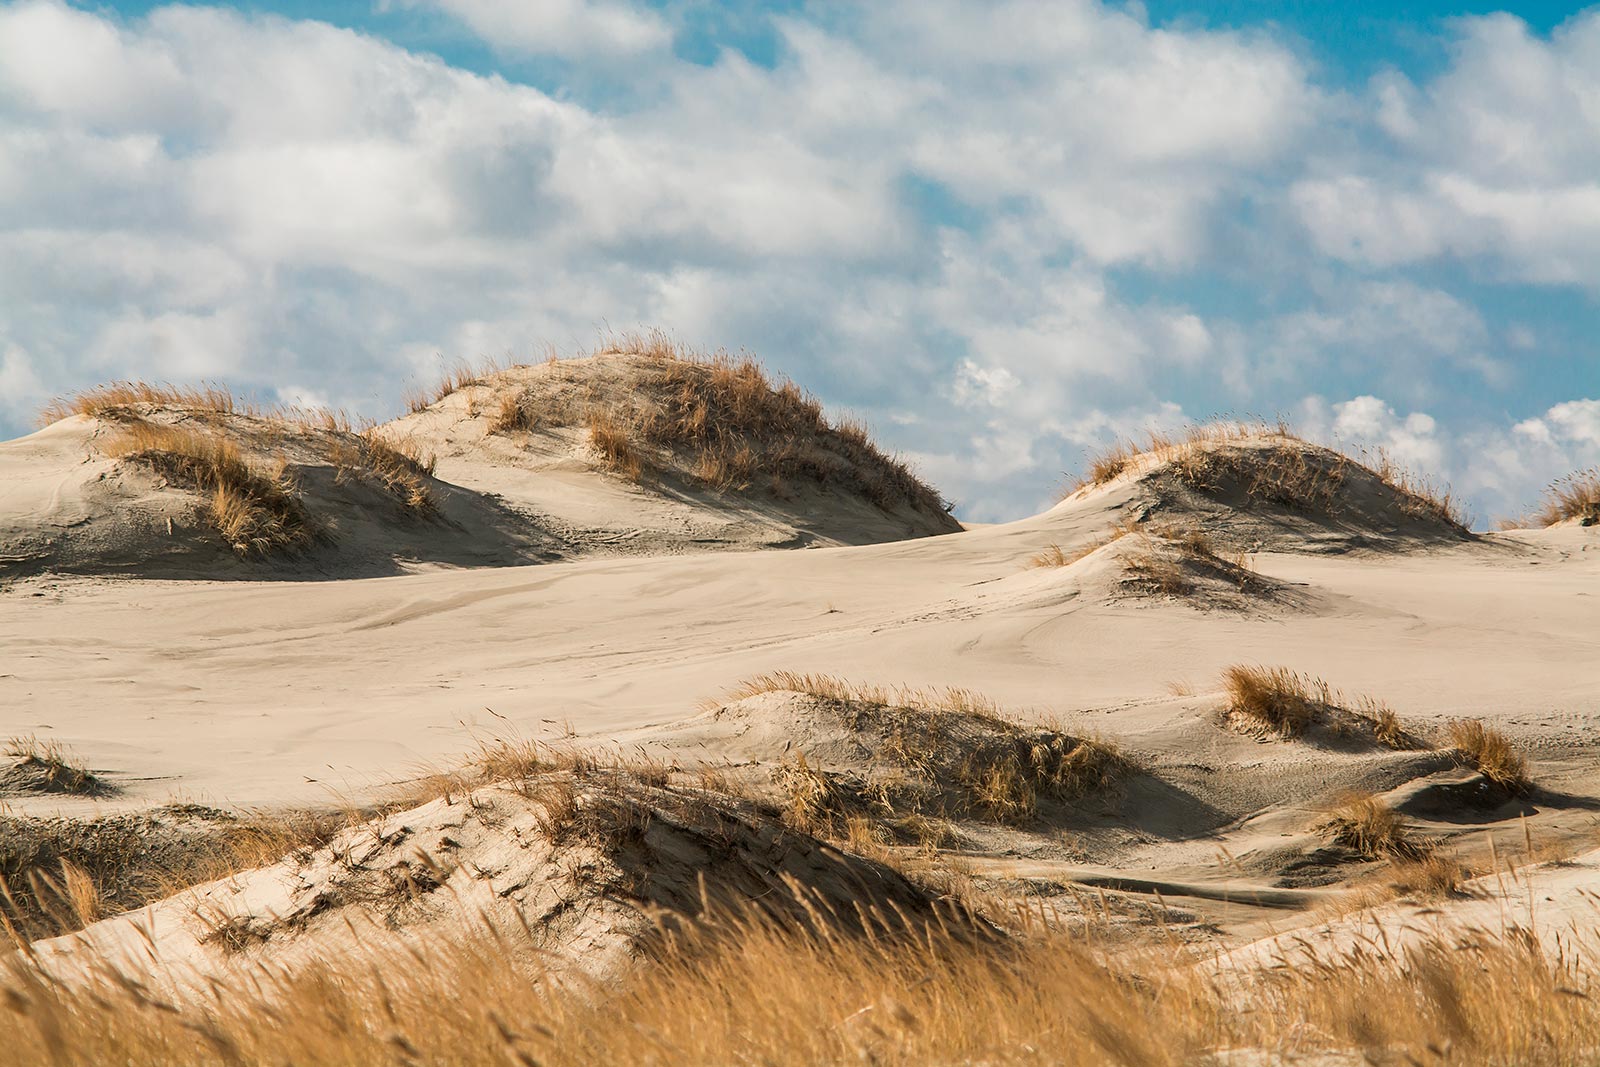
pixel 1003 233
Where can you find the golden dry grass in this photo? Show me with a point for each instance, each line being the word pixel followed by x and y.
pixel 733 991
pixel 56 875
pixel 955 752
pixel 1275 699
pixel 1368 826
pixel 722 421
pixel 47 767
pixel 397 466
pixel 132 400
pixel 256 511
pixel 122 397
pixel 1282 471
pixel 1284 703
pixel 1491 753
pixel 1575 497
pixel 1435 875
pixel 610 438
pixel 951 699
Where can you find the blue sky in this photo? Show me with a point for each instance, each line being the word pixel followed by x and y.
pixel 1002 232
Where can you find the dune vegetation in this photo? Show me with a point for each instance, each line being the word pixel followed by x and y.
pixel 720 420
pixel 1281 702
pixel 1272 464
pixel 1575 498
pixel 739 989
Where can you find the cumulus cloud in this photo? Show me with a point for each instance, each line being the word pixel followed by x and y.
pixel 1498 158
pixel 202 193
pixel 560 27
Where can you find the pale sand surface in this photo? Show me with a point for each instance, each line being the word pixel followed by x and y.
pixel 316 690
pixel 271 693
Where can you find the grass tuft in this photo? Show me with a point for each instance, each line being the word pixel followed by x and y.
pixel 1492 754
pixel 722 422
pixel 1284 703
pixel 47 767
pixel 1368 826
pixel 256 512
pixel 1573 498
pixel 1280 469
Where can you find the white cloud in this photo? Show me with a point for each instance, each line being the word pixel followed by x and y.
pixel 1498 157
pixel 559 27
pixel 200 193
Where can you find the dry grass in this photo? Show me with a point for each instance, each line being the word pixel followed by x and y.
pixel 256 511
pixel 397 466
pixel 1052 556
pixel 1575 497
pixel 47 767
pixel 732 990
pixel 955 754
pixel 1368 826
pixel 454 378
pixel 952 699
pixel 1275 699
pixel 1280 702
pixel 59 874
pixel 119 399
pixel 1435 875
pixel 125 401
pixel 610 438
pixel 1492 754
pixel 1281 469
pixel 721 421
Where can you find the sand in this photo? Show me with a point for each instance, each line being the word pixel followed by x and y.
pixel 282 693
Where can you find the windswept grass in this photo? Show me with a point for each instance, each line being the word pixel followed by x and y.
pixel 1279 702
pixel 1278 467
pixel 59 874
pixel 1575 497
pixel 955 755
pixel 395 465
pixel 120 399
pixel 1492 754
pixel 718 419
pixel 1369 827
pixel 256 511
pixel 953 700
pixel 47 767
pixel 610 439
pixel 739 989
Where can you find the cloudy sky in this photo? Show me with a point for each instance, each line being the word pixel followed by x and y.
pixel 1002 232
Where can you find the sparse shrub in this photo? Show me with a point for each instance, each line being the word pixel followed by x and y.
pixel 1575 497
pixel 1492 754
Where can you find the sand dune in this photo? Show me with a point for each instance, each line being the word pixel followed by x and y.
pixel 503 470
pixel 1092 754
